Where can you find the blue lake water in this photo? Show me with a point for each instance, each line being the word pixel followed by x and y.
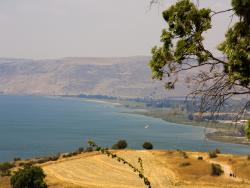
pixel 37 126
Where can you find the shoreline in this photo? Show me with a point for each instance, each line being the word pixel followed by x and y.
pixel 211 133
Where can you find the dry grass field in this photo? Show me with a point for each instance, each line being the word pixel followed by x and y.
pixel 163 168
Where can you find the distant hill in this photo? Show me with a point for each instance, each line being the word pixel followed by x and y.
pixel 120 77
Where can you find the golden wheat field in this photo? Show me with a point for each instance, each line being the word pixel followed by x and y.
pixel 163 168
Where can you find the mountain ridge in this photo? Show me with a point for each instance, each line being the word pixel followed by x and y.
pixel 126 77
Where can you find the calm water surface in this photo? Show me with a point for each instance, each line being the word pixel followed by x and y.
pixel 36 126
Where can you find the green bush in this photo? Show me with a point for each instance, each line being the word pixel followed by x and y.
pixel 5 168
pixel 17 159
pixel 121 144
pixel 89 149
pixel 147 145
pixel 185 155
pixel 28 177
pixel 80 150
pixel 212 154
pixel 216 170
pixel 185 164
pixel 200 158
pixel 47 159
pixel 248 157
pixel 217 151
pixel 247 129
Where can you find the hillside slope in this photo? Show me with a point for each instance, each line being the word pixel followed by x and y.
pixel 163 168
pixel 121 77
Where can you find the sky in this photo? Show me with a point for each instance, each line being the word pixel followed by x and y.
pixel 41 29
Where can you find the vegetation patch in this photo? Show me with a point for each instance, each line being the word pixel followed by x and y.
pixel 147 145
pixel 185 164
pixel 216 170
pixel 29 177
pixel 200 158
pixel 5 168
pixel 121 144
pixel 212 154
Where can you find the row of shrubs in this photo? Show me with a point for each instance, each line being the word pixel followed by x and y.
pixel 122 144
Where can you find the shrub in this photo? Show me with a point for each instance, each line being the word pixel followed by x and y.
pixel 47 159
pixel 216 170
pixel 121 144
pixel 80 150
pixel 185 164
pixel 89 149
pixel 67 155
pixel 212 154
pixel 55 157
pixel 147 145
pixel 43 160
pixel 217 151
pixel 185 155
pixel 22 164
pixel 17 159
pixel 75 153
pixel 248 157
pixel 28 177
pixel 5 168
pixel 200 158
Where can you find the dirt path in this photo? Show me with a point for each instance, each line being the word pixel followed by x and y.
pixel 227 169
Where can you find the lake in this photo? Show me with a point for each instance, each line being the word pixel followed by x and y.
pixel 38 126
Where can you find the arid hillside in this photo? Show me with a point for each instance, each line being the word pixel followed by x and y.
pixel 121 77
pixel 163 168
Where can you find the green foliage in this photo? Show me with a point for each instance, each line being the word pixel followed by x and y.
pixel 200 158
pixel 121 144
pixel 186 23
pixel 89 149
pixel 248 157
pixel 17 159
pixel 5 168
pixel 217 151
pixel 29 177
pixel 147 145
pixel 80 150
pixel 212 154
pixel 140 171
pixel 184 164
pixel 183 49
pixel 216 170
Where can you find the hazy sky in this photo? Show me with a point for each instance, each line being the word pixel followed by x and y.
pixel 62 28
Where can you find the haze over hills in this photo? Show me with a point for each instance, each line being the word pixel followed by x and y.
pixel 120 77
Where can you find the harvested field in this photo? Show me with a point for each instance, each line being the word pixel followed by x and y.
pixel 163 168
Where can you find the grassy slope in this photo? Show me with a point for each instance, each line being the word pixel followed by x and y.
pixel 163 168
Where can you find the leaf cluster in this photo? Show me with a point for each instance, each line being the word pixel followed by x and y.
pixel 29 177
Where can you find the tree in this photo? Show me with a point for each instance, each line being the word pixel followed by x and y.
pixel 218 79
pixel 147 145
pixel 29 177
pixel 121 144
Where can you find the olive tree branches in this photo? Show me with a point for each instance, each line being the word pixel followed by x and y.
pixel 214 80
